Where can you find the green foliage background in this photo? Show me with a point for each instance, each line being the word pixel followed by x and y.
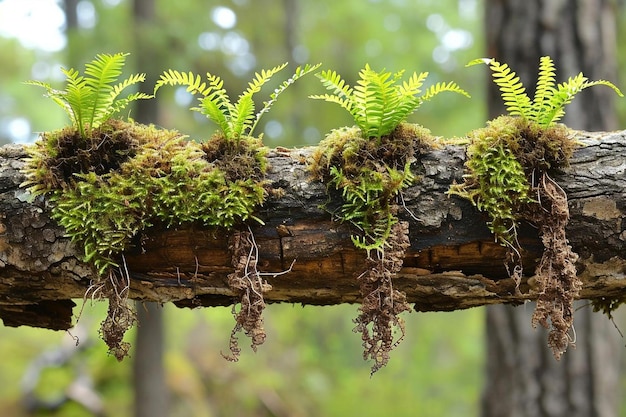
pixel 311 360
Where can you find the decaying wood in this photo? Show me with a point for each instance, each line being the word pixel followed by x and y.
pixel 453 262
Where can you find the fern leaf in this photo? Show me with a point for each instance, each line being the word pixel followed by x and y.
pixel 605 83
pixel 299 73
pixel 512 90
pixel 216 104
pixel 545 88
pixel 413 86
pixel 260 79
pixel 563 95
pixel 133 79
pixel 57 96
pixel 333 82
pixel 215 112
pixel 346 103
pixel 100 73
pixel 190 80
pixel 243 115
pixel 478 61
pixel 120 104
pixel 78 97
pixel 440 87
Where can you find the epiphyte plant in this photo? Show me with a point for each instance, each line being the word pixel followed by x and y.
pixel 91 99
pixel 234 151
pixel 235 120
pixel 550 99
pixel 503 157
pixel 378 103
pixel 370 164
pixel 509 164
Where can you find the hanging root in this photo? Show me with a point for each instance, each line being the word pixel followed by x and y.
pixel 381 303
pixel 120 315
pixel 246 281
pixel 556 272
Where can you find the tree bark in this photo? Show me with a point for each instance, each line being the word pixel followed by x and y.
pixel 453 262
pixel 523 379
pixel 151 394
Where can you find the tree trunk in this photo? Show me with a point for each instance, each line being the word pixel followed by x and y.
pixel 523 379
pixel 452 263
pixel 149 383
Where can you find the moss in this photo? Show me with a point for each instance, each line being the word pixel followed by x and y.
pixel 367 175
pixel 505 161
pixel 510 166
pixel 128 177
pixel 607 305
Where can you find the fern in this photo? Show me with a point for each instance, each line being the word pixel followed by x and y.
pixel 233 119
pixel 550 99
pixel 91 99
pixel 378 103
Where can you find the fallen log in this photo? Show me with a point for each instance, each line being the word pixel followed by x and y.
pixel 452 263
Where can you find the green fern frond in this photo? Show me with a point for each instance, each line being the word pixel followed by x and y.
pixel 373 95
pixel 92 99
pixel 78 97
pixel 132 80
pixel 216 105
pixel 441 87
pixel 120 104
pixel 261 78
pixel 190 80
pixel 513 93
pixel 242 115
pixel 235 120
pixel 299 73
pixel 379 103
pixel 346 103
pixel 545 87
pixel 413 86
pixel 332 81
pixel 100 74
pixel 605 83
pixel 550 100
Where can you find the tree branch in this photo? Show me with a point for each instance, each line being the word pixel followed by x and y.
pixel 453 262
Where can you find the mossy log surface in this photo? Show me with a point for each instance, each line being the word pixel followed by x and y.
pixel 453 262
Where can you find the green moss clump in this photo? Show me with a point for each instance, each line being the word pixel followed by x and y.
pixel 369 174
pixel 129 177
pixel 126 177
pixel 510 163
pixel 505 161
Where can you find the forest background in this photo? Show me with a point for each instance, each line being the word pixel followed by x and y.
pixel 311 363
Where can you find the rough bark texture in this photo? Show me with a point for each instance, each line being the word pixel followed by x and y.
pixel 452 263
pixel 523 379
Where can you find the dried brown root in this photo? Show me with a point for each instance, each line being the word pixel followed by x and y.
pixel 247 283
pixel 120 315
pixel 556 273
pixel 382 305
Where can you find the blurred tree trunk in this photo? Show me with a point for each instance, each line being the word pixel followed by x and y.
pixel 523 378
pixel 150 389
pixel 75 43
